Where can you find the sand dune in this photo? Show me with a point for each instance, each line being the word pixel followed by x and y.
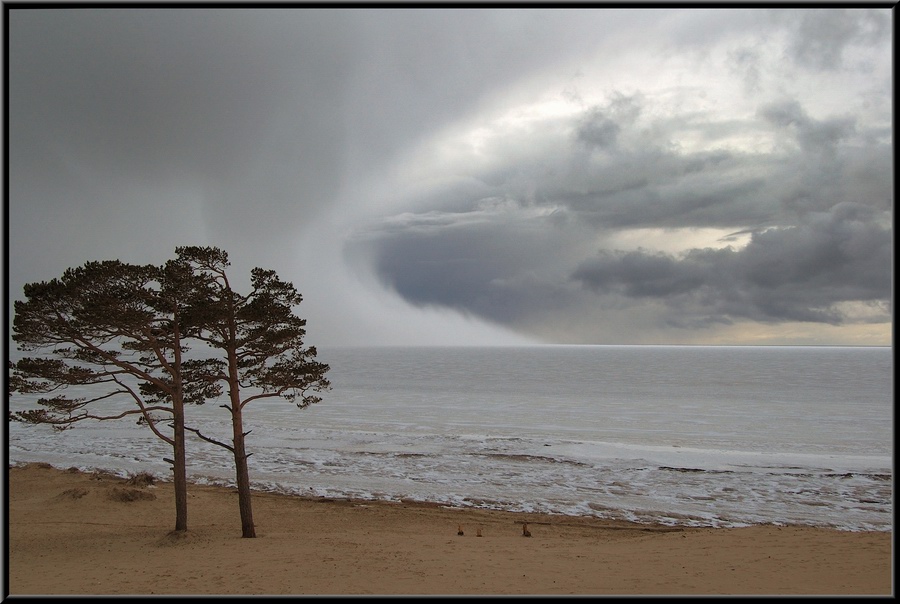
pixel 76 533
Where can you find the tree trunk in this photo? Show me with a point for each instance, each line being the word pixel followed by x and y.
pixel 243 473
pixel 179 470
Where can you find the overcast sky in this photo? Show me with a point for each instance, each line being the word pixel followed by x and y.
pixel 473 176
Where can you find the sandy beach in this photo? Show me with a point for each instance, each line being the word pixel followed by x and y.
pixel 76 533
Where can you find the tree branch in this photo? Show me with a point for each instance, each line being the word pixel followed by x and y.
pixel 208 439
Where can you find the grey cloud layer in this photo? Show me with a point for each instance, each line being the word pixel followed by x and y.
pixel 132 131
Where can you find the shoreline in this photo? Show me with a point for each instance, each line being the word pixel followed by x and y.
pixel 677 521
pixel 94 534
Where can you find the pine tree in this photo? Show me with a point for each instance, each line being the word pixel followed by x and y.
pixel 259 349
pixel 117 329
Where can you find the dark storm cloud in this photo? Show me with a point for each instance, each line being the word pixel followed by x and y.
pixel 485 263
pixel 818 207
pixel 797 273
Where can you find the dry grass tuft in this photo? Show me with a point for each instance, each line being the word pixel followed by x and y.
pixel 141 479
pixel 129 495
pixel 103 475
pixel 75 493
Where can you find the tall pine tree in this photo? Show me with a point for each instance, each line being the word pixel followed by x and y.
pixel 117 329
pixel 259 349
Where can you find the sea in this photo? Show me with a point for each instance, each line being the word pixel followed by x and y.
pixel 719 436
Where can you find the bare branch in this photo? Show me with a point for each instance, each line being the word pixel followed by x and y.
pixel 208 439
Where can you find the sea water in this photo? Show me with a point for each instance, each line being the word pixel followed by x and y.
pixel 691 436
